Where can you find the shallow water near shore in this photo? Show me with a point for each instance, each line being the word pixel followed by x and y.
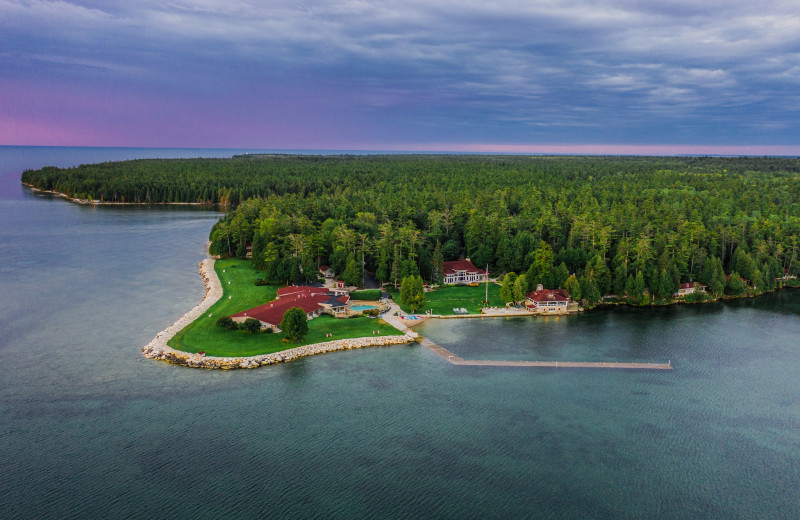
pixel 91 429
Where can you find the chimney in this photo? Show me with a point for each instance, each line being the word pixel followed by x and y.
pixel 540 287
pixel 467 259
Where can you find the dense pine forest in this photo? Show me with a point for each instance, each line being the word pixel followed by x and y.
pixel 635 227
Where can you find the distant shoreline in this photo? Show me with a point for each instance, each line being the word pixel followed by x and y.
pixel 87 202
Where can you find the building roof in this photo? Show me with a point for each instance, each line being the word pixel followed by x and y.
pixel 309 299
pixel 549 295
pixel 687 285
pixel 460 265
pixel 294 290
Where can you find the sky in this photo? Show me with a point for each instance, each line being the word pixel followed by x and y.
pixel 527 76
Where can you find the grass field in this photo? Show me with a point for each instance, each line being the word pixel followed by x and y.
pixel 204 335
pixel 443 300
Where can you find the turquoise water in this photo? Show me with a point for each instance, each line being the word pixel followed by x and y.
pixel 362 307
pixel 90 429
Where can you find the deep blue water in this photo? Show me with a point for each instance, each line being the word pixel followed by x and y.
pixel 90 429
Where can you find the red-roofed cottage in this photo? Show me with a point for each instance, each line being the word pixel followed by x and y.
pixel 690 288
pixel 548 300
pixel 462 271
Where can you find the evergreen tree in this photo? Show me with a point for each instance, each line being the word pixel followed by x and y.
pixel 412 292
pixel 507 287
pixel 396 266
pixel 717 277
pixel 600 274
pixel 542 265
pixel 351 274
pixel 589 291
pixel 559 278
pixel 620 278
pixel 293 270
pixel 437 264
pixel 639 287
pixel 665 288
pixel 383 271
pixel 417 294
pixel 406 289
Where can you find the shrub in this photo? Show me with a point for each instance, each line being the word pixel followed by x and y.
pixel 262 282
pixel 227 322
pixel 368 295
pixel 251 325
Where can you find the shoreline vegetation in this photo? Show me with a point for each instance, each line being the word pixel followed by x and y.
pixel 159 349
pixel 91 202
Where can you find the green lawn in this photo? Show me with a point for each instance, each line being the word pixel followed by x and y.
pixel 203 334
pixel 443 300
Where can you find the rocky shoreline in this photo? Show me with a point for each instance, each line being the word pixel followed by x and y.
pixel 159 350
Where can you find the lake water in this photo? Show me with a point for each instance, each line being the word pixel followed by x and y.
pixel 91 429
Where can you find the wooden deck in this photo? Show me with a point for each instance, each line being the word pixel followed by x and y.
pixel 457 360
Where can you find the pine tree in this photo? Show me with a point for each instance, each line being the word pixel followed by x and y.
pixel 351 274
pixel 665 285
pixel 507 288
pixel 396 266
pixel 639 289
pixel 417 294
pixel 560 275
pixel 437 264
pixel 717 277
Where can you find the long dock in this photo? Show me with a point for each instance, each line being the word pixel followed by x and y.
pixel 457 360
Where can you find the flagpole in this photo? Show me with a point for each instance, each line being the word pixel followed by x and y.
pixel 487 284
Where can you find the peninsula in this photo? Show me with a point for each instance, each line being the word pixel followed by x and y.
pixel 554 234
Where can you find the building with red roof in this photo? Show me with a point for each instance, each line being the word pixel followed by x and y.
pixel 313 300
pixel 462 271
pixel 547 300
pixel 690 288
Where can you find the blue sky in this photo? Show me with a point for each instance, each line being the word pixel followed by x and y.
pixel 675 76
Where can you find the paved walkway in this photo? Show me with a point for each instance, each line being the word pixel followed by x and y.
pixel 392 317
pixel 456 360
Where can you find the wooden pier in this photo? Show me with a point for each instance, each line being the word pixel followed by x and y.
pixel 457 360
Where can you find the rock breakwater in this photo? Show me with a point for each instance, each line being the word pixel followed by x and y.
pixel 226 363
pixel 158 348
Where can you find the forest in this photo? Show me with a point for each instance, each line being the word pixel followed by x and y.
pixel 634 227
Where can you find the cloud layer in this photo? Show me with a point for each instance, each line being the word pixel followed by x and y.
pixel 372 74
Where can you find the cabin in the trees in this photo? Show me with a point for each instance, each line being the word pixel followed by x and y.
pixel 690 288
pixel 326 271
pixel 554 301
pixel 313 300
pixel 462 271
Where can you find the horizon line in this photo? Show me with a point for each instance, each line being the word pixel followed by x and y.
pixel 513 149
